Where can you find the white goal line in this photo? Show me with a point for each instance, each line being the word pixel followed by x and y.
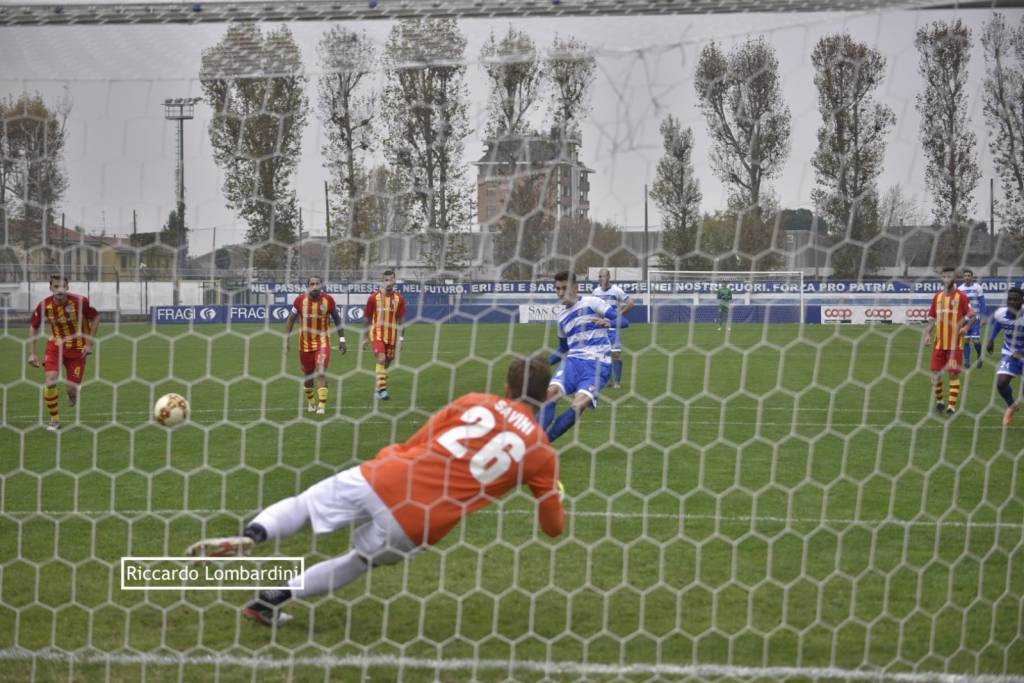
pixel 530 666
pixel 583 514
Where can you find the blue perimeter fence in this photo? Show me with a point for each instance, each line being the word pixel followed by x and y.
pixel 478 313
pixel 759 301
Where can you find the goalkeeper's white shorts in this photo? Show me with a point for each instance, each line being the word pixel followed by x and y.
pixel 347 499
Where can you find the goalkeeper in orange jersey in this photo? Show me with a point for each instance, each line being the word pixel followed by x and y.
pixel 73 325
pixel 385 316
pixel 411 495
pixel 949 318
pixel 314 308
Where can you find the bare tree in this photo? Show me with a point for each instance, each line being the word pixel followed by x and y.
pixel 897 209
pixel 515 80
pixel 740 95
pixel 851 148
pixel 427 126
pixel 382 208
pixel 346 108
pixel 949 143
pixel 676 192
pixel 32 175
pixel 1003 98
pixel 571 69
pixel 255 84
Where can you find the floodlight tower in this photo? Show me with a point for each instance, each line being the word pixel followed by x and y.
pixel 180 109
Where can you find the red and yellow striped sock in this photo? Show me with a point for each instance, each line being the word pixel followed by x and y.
pixel 938 391
pixel 954 392
pixel 51 398
pixel 322 393
pixel 310 395
pixel 382 377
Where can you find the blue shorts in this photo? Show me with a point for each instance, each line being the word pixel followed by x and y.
pixel 1009 365
pixel 584 375
pixel 974 331
pixel 613 338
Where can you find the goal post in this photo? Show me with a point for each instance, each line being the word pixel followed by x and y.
pixel 692 295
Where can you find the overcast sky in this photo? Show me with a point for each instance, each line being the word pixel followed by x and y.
pixel 120 151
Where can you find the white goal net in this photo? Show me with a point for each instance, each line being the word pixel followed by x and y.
pixel 779 499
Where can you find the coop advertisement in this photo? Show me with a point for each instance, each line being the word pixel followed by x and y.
pixel 860 315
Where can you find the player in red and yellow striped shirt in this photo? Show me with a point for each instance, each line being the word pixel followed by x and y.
pixel 316 310
pixel 73 325
pixel 385 315
pixel 950 317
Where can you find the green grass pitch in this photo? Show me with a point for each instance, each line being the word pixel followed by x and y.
pixel 785 499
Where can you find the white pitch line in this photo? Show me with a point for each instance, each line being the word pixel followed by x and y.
pixel 600 514
pixel 497 665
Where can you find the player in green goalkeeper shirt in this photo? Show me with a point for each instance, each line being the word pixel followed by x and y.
pixel 724 296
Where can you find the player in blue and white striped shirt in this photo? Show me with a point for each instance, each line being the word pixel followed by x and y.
pixel 1010 322
pixel 584 350
pixel 615 296
pixel 976 297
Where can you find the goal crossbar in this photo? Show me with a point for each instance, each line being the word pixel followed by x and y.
pixel 728 276
pixel 166 12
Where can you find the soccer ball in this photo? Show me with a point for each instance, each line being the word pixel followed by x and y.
pixel 170 410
